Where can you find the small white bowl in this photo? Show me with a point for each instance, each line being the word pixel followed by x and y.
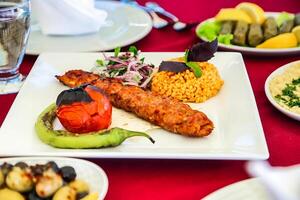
pixel 85 170
pixel 279 71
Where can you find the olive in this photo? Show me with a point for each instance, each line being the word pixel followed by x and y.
pixel 5 168
pixel 81 195
pixel 68 173
pixel 37 170
pixel 92 196
pixel 22 165
pixel 53 166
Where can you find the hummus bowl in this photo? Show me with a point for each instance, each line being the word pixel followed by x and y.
pixel 283 74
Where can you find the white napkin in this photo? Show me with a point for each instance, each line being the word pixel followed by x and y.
pixel 283 183
pixel 68 17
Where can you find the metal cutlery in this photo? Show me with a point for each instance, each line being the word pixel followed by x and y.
pixel 157 21
pixel 178 25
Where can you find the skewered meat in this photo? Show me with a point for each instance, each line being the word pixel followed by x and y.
pixel 165 112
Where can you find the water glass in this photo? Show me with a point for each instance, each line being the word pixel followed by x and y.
pixel 14 31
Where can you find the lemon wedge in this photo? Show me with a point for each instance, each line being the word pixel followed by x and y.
pixel 296 31
pixel 256 13
pixel 233 14
pixel 285 40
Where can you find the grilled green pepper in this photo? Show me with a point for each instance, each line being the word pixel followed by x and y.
pixel 65 139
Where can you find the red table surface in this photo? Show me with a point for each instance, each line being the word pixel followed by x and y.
pixel 194 179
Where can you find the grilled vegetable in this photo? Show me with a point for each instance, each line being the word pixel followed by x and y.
pixel 19 180
pixel 65 139
pixel 48 184
pixel 240 33
pixel 255 35
pixel 79 186
pixel 7 194
pixel 65 193
pixel 270 28
pixel 84 109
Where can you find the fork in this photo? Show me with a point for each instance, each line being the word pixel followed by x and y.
pixel 178 25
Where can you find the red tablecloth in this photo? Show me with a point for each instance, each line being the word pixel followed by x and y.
pixel 193 179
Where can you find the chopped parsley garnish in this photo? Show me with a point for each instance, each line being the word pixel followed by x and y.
pixel 288 96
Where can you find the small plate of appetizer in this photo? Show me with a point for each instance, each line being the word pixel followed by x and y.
pixel 282 88
pixel 247 28
pixel 51 178
pixel 186 105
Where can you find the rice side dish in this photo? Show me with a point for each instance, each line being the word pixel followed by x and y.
pixel 185 86
pixel 285 88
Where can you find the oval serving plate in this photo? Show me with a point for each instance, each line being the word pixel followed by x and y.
pixel 278 71
pixel 249 189
pixel 252 50
pixel 85 170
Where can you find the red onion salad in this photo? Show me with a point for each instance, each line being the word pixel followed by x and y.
pixel 126 66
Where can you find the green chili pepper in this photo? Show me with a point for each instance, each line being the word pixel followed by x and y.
pixel 65 139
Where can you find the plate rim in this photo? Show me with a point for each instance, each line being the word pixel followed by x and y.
pixel 274 73
pixel 251 50
pixel 233 154
pixel 256 181
pixel 138 37
pixel 90 164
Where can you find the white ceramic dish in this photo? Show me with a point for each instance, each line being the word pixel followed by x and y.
pixel 256 51
pixel 125 25
pixel 238 133
pixel 250 189
pixel 87 171
pixel 275 73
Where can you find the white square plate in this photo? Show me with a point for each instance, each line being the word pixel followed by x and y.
pixel 238 133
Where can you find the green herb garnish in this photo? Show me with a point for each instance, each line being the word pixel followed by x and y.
pixel 117 51
pixel 100 63
pixel 288 96
pixel 193 65
pixel 133 50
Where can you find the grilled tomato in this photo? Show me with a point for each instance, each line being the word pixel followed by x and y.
pixel 84 109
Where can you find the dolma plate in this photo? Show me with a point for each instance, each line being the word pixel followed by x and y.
pixel 252 50
pixel 238 132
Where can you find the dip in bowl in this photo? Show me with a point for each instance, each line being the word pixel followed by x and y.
pixel 282 88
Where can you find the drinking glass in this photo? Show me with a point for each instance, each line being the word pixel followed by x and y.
pixel 14 31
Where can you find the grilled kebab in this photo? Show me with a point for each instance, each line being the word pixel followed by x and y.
pixel 166 112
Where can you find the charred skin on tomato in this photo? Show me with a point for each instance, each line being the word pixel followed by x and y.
pixel 84 109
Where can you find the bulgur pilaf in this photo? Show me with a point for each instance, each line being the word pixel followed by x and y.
pixel 185 86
